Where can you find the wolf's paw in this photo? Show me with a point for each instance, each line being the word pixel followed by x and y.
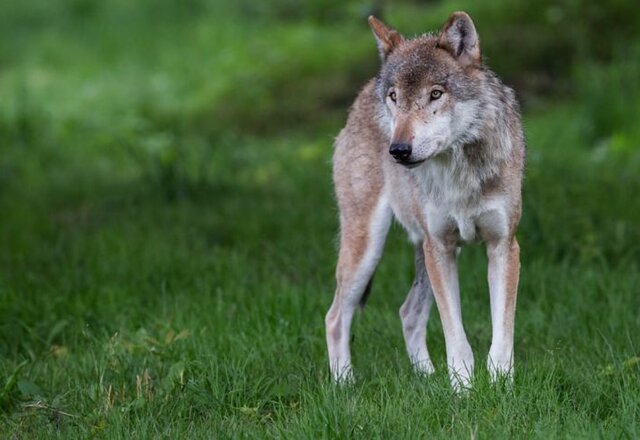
pixel 460 382
pixel 343 376
pixel 500 366
pixel 461 371
pixel 423 367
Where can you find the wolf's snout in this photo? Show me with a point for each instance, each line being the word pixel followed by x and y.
pixel 400 151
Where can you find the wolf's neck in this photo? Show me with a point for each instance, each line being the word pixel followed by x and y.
pixel 485 155
pixel 465 172
pixel 482 159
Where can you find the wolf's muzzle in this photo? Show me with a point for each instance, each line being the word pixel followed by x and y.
pixel 400 151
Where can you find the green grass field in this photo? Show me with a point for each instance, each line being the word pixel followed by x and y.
pixel 167 236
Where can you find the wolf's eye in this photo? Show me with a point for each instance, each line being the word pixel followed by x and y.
pixel 393 96
pixel 436 94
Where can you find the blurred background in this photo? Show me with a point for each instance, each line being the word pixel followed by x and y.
pixel 180 98
pixel 165 171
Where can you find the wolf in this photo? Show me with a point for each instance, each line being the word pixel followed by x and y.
pixel 435 141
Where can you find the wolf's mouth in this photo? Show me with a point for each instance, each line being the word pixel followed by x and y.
pixel 410 164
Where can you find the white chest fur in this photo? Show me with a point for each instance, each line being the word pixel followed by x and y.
pixel 449 204
pixel 455 225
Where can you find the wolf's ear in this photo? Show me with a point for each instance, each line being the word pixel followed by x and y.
pixel 459 37
pixel 387 38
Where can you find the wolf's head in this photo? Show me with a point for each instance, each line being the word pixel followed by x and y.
pixel 431 89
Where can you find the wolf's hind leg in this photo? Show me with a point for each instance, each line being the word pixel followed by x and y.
pixel 414 314
pixel 361 242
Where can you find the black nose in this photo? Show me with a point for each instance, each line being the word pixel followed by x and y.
pixel 400 151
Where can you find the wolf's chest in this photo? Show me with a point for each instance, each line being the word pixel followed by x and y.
pixel 452 225
pixel 446 204
pixel 451 220
pixel 485 219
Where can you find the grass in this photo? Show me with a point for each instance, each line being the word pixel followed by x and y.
pixel 166 264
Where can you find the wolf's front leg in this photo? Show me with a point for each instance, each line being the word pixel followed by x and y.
pixel 362 237
pixel 504 272
pixel 442 268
